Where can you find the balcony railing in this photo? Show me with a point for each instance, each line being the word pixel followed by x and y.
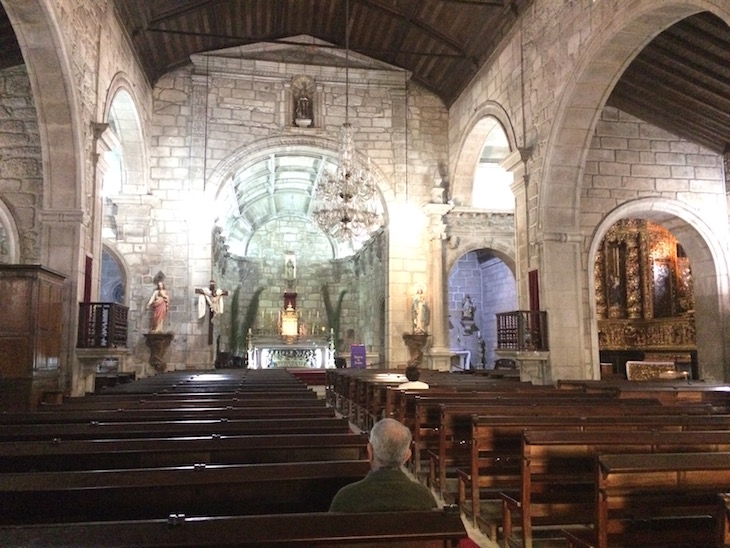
pixel 522 330
pixel 102 325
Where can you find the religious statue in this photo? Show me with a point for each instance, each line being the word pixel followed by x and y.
pixel 420 313
pixel 159 303
pixel 467 308
pixel 210 299
pixel 303 109
pixel 290 266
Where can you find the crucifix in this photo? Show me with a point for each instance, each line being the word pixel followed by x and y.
pixel 211 299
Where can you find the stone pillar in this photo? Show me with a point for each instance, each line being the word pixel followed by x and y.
pixel 515 163
pixel 561 271
pixel 105 141
pixel 439 354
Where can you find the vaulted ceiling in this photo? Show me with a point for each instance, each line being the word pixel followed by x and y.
pixel 680 81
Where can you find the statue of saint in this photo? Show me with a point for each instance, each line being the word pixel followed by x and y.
pixel 159 303
pixel 420 314
pixel 467 308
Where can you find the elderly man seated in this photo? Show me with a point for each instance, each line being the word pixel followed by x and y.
pixel 387 487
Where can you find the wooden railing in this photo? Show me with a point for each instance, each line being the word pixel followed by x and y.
pixel 102 325
pixel 522 330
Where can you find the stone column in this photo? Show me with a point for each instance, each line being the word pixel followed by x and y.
pixel 439 354
pixel 105 141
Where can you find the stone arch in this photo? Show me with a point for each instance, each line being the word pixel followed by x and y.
pixel 11 252
pixel 470 147
pixel 315 145
pixel 121 109
pixel 123 267
pixel 498 246
pixel 486 272
pixel 224 170
pixel 709 269
pixel 603 62
pixel 50 74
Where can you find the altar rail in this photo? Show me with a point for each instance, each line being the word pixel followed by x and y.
pixel 523 330
pixel 102 325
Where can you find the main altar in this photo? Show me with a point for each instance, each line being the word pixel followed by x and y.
pixel 267 351
pixel 294 341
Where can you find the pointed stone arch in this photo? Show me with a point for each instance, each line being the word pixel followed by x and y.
pixel 47 62
pixel 122 110
pixel 586 93
pixel 470 148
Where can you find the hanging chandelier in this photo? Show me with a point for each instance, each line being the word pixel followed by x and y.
pixel 346 200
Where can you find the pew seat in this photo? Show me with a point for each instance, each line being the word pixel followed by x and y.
pixel 657 499
pixel 424 529
pixel 152 493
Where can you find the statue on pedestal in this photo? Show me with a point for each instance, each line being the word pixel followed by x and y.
pixel 159 303
pixel 420 313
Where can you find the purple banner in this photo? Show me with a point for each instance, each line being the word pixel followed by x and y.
pixel 357 356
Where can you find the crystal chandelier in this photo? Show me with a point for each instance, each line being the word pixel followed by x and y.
pixel 346 200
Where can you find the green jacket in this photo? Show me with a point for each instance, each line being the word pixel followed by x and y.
pixel 383 490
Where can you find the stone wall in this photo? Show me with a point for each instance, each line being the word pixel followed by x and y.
pixel 631 159
pixel 21 165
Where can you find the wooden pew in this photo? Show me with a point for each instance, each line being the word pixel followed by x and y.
pixel 657 499
pixel 723 511
pixel 496 450
pixel 557 472
pixel 424 529
pixel 162 428
pixel 151 493
pixel 120 453
pixel 163 414
pixel 219 399
pixel 668 392
pixel 214 393
pixel 453 445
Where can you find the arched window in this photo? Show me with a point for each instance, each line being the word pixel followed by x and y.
pixel 125 161
pixel 492 182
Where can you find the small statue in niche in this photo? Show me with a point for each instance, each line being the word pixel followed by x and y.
pixel 467 308
pixel 303 94
pixel 304 110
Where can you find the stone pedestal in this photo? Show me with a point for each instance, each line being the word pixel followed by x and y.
pixel 415 344
pixel 534 366
pixel 158 344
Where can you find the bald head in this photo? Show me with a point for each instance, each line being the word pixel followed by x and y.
pixel 390 444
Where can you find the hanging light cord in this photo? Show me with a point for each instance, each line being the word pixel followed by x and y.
pixel 347 61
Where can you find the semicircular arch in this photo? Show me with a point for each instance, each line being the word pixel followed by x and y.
pixel 220 190
pixel 710 272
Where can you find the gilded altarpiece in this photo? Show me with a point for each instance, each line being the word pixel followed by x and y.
pixel 644 294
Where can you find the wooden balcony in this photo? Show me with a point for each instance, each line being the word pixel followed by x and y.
pixel 102 325
pixel 522 331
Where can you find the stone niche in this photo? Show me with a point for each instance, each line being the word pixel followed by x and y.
pixel 644 296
